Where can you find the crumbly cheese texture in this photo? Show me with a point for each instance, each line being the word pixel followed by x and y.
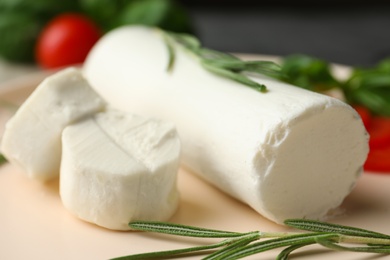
pixel 118 167
pixel 288 153
pixel 32 137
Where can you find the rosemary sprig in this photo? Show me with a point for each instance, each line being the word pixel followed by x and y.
pixel 237 245
pixel 219 63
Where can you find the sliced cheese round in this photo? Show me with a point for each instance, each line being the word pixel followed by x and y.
pixel 32 137
pixel 288 153
pixel 117 167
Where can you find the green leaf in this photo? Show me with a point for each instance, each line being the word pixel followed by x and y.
pixel 21 21
pixel 209 54
pixel 168 253
pixel 268 68
pixel 166 14
pixel 180 230
pixel 187 40
pixel 318 226
pixel 308 72
pixel 104 12
pixel 378 101
pixel 3 160
pixel 286 252
pixel 171 53
pixel 240 78
pixel 29 7
pixel 238 243
pixel 371 249
pixel 255 248
pixel 384 65
pixel 19 32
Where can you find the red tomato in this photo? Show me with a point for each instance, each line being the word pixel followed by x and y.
pixel 379 131
pixel 66 40
pixel 378 160
pixel 364 114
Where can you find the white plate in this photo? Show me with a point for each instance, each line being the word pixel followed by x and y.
pixel 34 225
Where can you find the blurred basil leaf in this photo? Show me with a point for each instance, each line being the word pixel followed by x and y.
pixel 308 72
pixel 370 88
pixel 18 35
pixel 22 20
pixel 39 6
pixel 104 12
pixel 166 14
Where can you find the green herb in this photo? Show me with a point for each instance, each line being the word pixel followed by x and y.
pixel 368 87
pixel 222 64
pixel 21 21
pixel 165 14
pixel 3 160
pixel 308 72
pixel 237 245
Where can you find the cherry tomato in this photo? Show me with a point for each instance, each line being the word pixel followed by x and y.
pixel 379 131
pixel 66 40
pixel 378 160
pixel 364 114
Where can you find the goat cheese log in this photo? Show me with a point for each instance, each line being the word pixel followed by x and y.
pixel 117 167
pixel 288 153
pixel 32 137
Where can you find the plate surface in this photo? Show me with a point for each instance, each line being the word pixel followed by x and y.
pixel 34 224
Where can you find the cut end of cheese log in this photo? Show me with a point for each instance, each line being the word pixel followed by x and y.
pixel 32 137
pixel 118 167
pixel 288 153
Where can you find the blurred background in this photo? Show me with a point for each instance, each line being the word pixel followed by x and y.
pixel 354 34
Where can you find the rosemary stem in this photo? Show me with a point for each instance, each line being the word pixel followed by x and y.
pixel 340 239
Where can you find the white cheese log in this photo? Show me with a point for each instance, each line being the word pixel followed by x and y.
pixel 118 167
pixel 32 137
pixel 288 153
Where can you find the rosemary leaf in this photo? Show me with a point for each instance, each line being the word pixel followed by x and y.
pixel 222 64
pixel 286 252
pixel 187 40
pixel 222 253
pixel 241 78
pixel 255 248
pixel 180 230
pixel 209 54
pixel 366 249
pixel 171 53
pixel 318 226
pixel 268 68
pixel 168 253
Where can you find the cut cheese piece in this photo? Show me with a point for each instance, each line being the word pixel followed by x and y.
pixel 118 167
pixel 288 153
pixel 32 137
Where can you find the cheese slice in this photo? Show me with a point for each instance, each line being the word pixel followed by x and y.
pixel 32 137
pixel 288 153
pixel 118 167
